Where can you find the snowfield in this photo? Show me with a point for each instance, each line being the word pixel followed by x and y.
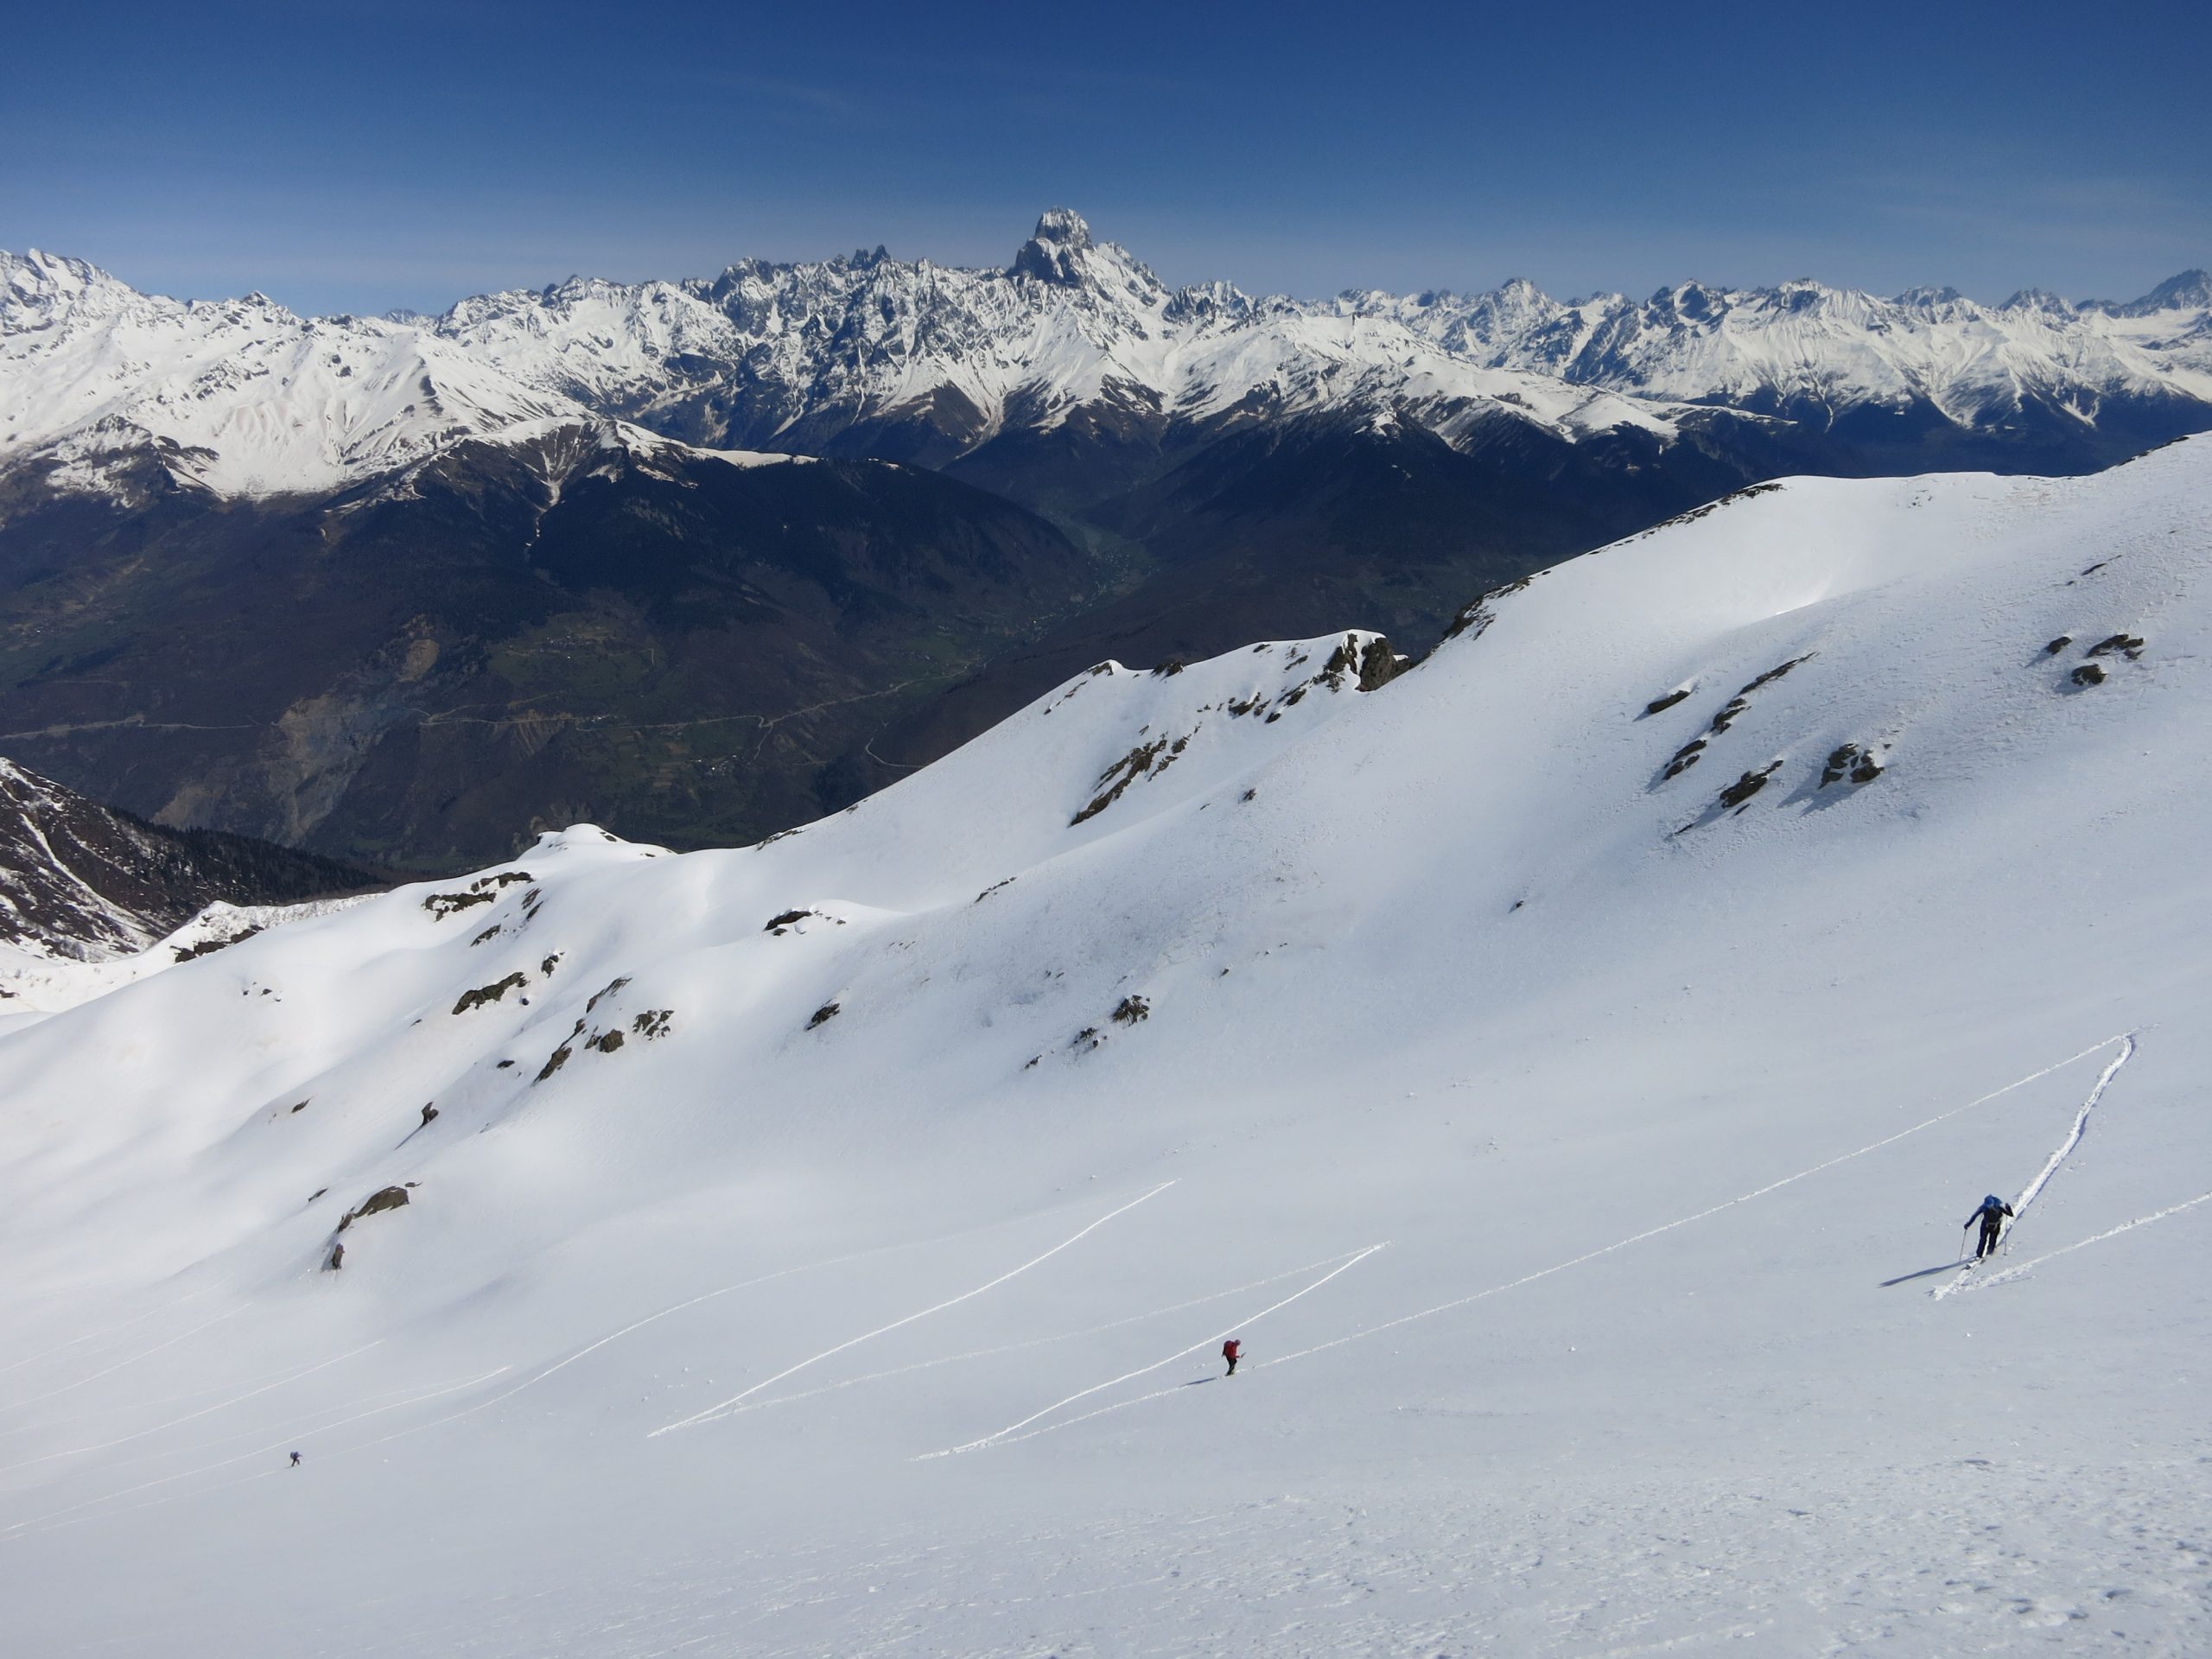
pixel 1566 1066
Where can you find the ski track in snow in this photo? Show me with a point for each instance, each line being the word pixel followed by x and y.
pixel 1005 1436
pixel 56 1518
pixel 2034 1189
pixel 1038 1342
pixel 148 1353
pixel 1002 1434
pixel 107 1330
pixel 2021 1271
pixel 724 1408
pixel 177 1422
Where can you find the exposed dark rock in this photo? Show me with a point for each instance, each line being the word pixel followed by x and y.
pixel 1477 616
pixel 607 990
pixel 2058 644
pixel 785 920
pixel 502 879
pixel 430 1115
pixel 443 905
pixel 1132 1009
pixel 1379 665
pixel 652 1023
pixel 337 1256
pixel 1172 665
pixel 554 1062
pixel 607 1042
pixel 1137 763
pixel 209 947
pixel 1660 705
pixel 492 993
pixel 1867 770
pixel 502 1065
pixel 301 1105
pixel 2090 674
pixel 827 1011
pixel 384 1198
pixel 1747 785
pixel 2130 644
pixel 489 933
pixel 1685 758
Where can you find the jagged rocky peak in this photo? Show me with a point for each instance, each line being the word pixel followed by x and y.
pixel 1051 253
pixel 2188 290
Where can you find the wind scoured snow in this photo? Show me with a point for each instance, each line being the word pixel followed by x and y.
pixel 969 1117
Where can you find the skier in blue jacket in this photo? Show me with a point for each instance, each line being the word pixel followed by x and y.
pixel 1992 1215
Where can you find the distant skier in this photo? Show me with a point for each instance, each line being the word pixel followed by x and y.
pixel 1231 1351
pixel 295 1459
pixel 1992 1216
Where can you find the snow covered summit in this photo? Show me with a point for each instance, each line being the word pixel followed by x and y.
pixel 1565 1065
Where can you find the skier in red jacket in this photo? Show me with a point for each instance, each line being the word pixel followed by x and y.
pixel 1229 1351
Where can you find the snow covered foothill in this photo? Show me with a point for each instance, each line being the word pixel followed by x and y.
pixel 822 1246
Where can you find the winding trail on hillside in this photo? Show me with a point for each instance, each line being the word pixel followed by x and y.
pixel 1006 1437
pixel 726 1407
pixel 2030 1193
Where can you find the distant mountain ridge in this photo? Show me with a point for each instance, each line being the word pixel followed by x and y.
pixel 392 587
pixel 970 369
pixel 83 882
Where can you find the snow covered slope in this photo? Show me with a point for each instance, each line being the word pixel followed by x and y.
pixel 1566 1066
pixel 912 360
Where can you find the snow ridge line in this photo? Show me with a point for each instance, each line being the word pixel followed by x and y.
pixel 1592 1256
pixel 2034 1188
pixel 725 1407
pixel 1038 1342
pixel 1001 1435
pixel 2124 1227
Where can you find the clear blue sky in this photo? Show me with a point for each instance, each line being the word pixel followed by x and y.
pixel 367 156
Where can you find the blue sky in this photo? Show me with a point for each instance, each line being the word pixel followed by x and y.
pixel 367 156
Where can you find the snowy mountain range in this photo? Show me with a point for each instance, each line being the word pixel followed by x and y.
pixel 1075 341
pixel 1565 1063
pixel 399 588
